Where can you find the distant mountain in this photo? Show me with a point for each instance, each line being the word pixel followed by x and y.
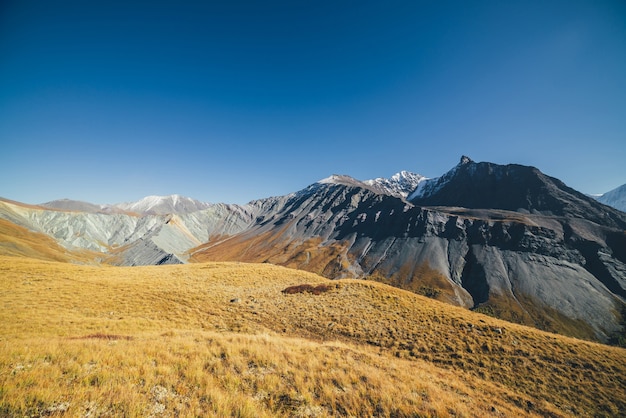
pixel 149 205
pixel 615 198
pixel 342 179
pixel 400 184
pixel 507 240
pixel 74 205
pixel 162 205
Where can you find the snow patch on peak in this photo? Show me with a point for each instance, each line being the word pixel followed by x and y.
pixel 400 184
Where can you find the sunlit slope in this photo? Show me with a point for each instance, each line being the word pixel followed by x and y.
pixel 224 339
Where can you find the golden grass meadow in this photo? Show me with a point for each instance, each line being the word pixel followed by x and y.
pixel 225 339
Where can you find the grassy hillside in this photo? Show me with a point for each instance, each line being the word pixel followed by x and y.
pixel 223 339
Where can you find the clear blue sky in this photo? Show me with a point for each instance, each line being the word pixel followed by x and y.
pixel 228 101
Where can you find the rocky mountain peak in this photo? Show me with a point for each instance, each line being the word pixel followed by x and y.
pixel 399 185
pixel 465 160
pixel 511 187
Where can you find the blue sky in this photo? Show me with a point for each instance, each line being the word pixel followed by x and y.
pixel 110 101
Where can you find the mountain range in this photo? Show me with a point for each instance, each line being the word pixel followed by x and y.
pixel 506 240
pixel 149 205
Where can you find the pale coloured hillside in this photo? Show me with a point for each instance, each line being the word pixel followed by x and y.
pixel 223 339
pixel 19 241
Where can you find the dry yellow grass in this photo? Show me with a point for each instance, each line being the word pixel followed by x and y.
pixel 221 339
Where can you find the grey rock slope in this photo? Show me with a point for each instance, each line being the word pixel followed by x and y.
pixel 616 198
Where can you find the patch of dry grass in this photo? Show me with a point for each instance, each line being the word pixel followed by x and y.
pixel 307 288
pixel 222 339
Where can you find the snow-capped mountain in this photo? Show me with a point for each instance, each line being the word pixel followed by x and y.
pixel 400 184
pixel 615 198
pixel 162 205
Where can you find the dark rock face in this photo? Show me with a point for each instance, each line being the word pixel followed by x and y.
pixel 516 188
